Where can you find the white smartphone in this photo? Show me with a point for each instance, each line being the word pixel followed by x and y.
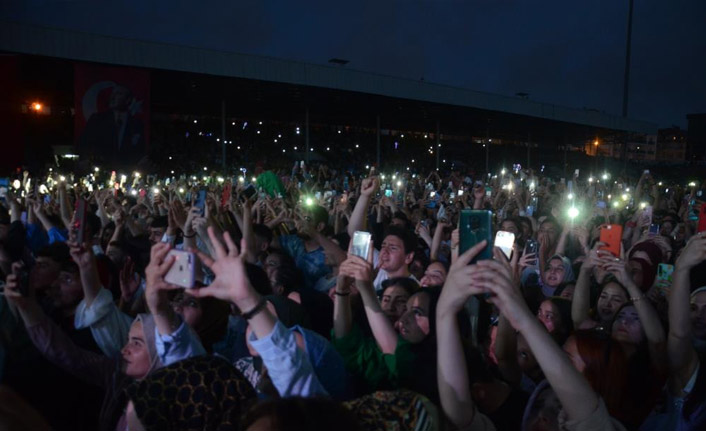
pixel 182 273
pixel 360 245
pixel 504 241
pixel 460 192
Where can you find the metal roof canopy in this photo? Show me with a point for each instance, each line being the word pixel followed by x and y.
pixel 281 89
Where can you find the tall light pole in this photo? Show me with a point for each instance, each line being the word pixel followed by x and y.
pixel 626 78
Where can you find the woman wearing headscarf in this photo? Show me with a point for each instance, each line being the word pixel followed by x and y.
pixel 138 357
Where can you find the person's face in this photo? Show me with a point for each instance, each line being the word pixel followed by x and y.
pixel 612 297
pixel 550 230
pixel 116 255
pixel 571 349
pixel 119 99
pixel 66 291
pixel 156 234
pixel 394 302
pixel 627 327
pixel 525 357
pixel 392 255
pixel 417 268
pixel 44 272
pixel 547 418
pixel 190 309
pixel 667 226
pixel 435 275
pixel 272 263
pixel 413 325
pixel 106 235
pixel 554 273
pixel 698 315
pixel 526 229
pixel 509 226
pixel 548 314
pixel 135 353
pixel 635 271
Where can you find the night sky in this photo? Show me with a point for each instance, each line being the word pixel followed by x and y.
pixel 565 52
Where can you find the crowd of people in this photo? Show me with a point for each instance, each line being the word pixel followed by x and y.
pixel 315 298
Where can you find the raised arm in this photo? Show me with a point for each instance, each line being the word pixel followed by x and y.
pixel 581 303
pixel 648 315
pixel 577 397
pixel 361 271
pixel 357 220
pixel 452 373
pixel 683 359
pixel 83 255
pixel 342 312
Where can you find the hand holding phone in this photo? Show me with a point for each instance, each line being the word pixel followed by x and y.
pixel 612 236
pixel 183 270
pixel 504 241
pixel 475 226
pixel 360 244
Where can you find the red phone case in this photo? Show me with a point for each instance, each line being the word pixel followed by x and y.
pixel 612 235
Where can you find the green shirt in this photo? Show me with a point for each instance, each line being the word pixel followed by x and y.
pixel 364 358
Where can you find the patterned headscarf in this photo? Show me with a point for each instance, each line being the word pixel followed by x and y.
pixel 200 393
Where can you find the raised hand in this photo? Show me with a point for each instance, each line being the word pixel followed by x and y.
pixel 155 285
pixel 129 280
pixel 369 185
pixel 458 286
pixel 495 277
pixel 694 252
pixel 231 283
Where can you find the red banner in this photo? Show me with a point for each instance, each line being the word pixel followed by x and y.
pixel 112 113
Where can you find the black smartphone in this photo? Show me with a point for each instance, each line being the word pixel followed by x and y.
pixel 531 247
pixel 474 226
pixel 249 191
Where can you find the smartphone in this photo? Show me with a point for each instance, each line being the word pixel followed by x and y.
pixel 647 212
pixel 388 193
pixel 600 204
pixel 432 194
pixel 249 191
pixel 182 273
pixel 488 191
pixel 702 219
pixel 504 241
pixel 475 226
pixel 576 173
pixel 612 235
pixel 360 245
pixel 531 247
pixel 654 230
pixel 201 201
pixel 664 278
pixel 460 192
pixel 80 220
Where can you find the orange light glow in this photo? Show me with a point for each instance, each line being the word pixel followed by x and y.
pixel 37 106
pixel 595 142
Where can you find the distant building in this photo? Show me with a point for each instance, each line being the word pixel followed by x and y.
pixel 696 144
pixel 671 145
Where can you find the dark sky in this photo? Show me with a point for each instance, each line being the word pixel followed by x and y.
pixel 565 52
